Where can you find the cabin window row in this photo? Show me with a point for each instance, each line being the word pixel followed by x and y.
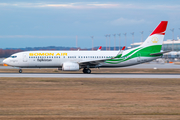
pixel 75 57
pixel 95 56
pixel 44 56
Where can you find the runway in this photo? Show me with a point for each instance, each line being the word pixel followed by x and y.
pixel 99 75
pixel 150 65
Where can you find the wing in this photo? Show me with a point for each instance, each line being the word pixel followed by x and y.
pixel 99 61
pixel 92 62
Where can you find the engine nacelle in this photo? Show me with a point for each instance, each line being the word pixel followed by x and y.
pixel 70 66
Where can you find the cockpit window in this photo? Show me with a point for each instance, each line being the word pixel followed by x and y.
pixel 13 56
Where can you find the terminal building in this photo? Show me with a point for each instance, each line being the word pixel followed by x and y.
pixel 169 45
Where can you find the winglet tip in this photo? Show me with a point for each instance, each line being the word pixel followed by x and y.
pixel 123 48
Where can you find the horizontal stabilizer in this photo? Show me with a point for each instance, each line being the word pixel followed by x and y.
pixel 160 53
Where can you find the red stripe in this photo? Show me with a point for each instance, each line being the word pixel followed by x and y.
pixel 161 28
pixel 100 47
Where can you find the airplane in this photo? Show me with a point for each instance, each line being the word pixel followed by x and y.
pixel 76 60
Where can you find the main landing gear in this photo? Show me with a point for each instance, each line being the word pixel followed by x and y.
pixel 87 70
pixel 20 70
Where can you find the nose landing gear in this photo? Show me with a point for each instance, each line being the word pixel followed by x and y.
pixel 87 70
pixel 20 70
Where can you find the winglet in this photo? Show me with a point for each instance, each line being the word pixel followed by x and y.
pixel 99 48
pixel 120 52
pixel 123 48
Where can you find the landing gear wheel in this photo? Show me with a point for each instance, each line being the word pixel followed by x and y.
pixel 84 70
pixel 88 71
pixel 20 71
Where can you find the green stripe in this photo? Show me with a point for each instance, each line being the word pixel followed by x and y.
pixel 144 52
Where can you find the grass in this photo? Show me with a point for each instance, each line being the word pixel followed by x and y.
pixel 86 98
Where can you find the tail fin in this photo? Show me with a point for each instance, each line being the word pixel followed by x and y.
pixel 156 38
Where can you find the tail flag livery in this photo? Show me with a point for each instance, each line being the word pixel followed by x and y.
pixel 155 40
pixel 148 51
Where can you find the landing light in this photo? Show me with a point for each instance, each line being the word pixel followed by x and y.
pixel 5 64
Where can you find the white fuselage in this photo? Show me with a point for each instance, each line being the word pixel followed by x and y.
pixel 55 59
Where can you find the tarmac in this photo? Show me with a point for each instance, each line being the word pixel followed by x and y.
pixel 151 65
pixel 99 75
pixel 145 65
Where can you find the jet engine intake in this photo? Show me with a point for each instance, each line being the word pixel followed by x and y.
pixel 70 66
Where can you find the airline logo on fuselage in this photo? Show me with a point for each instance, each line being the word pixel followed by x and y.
pixel 47 54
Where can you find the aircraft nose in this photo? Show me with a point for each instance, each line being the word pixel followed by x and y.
pixel 5 61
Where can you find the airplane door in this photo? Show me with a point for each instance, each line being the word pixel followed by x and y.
pixel 138 57
pixel 25 57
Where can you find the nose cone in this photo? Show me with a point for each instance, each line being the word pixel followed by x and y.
pixel 6 61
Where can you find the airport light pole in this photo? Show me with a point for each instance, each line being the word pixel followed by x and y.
pixel 106 40
pixel 125 39
pixel 114 41
pixel 76 41
pixel 179 29
pixel 119 40
pixel 109 41
pixel 172 38
pixel 92 41
pixel 132 38
pixel 142 35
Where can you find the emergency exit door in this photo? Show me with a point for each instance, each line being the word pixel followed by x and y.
pixel 25 57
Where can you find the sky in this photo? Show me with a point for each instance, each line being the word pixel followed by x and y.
pixel 38 23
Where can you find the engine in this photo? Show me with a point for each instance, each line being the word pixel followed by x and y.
pixel 70 66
